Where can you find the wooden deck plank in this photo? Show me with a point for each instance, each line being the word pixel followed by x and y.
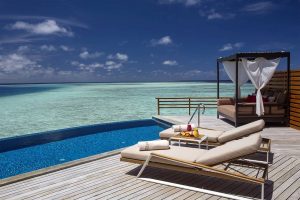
pixel 73 187
pixel 281 178
pixel 295 195
pixel 131 187
pixel 29 186
pixel 177 194
pixel 121 184
pixel 148 193
pixel 89 190
pixel 59 185
pixel 286 184
pixel 185 195
pixel 35 188
pixel 135 187
pixel 175 191
pixel 137 194
pixel 57 174
pixel 290 190
pixel 167 176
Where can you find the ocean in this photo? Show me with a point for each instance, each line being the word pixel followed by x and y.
pixel 29 108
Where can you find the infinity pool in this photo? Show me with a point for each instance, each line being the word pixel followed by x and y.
pixel 35 151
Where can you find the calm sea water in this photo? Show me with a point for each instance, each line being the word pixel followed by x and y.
pixel 40 107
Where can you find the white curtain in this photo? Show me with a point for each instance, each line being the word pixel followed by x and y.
pixel 260 71
pixel 230 69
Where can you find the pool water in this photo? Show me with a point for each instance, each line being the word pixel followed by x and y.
pixel 35 157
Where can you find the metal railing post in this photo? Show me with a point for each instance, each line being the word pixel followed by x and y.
pixel 198 115
pixel 158 107
pixel 189 106
pixel 197 109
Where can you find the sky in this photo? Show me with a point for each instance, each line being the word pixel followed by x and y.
pixel 138 40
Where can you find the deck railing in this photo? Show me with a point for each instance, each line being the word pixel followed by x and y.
pixel 184 103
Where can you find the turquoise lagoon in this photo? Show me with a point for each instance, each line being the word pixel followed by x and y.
pixel 32 108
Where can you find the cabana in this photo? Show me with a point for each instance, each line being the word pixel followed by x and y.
pixel 270 104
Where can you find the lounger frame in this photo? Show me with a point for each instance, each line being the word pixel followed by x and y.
pixel 200 169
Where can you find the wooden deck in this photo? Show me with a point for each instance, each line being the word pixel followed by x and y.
pixel 108 178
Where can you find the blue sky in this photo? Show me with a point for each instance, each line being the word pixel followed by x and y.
pixel 138 40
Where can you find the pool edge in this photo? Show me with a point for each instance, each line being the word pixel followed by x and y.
pixel 55 168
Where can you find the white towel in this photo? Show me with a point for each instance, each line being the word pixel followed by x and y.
pixel 153 145
pixel 183 127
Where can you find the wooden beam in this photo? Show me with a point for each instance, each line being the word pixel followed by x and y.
pixel 253 55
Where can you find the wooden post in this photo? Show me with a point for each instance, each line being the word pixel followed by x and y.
pixel 288 89
pixel 218 85
pixel 189 106
pixel 236 88
pixel 158 106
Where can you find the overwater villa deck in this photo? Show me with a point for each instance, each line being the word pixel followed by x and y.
pixel 108 178
pixel 104 176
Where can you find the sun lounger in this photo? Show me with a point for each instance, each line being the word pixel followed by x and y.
pixel 204 162
pixel 216 137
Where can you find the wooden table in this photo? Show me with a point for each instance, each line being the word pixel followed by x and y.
pixel 181 138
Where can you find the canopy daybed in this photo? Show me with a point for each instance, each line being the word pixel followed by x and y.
pixel 269 103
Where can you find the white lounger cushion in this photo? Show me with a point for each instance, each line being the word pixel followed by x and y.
pixel 242 131
pixel 168 133
pixel 231 150
pixel 212 135
pixel 182 153
pixel 225 152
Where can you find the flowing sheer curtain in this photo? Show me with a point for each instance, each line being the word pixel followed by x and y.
pixel 230 69
pixel 260 71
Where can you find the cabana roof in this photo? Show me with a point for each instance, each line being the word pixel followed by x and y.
pixel 253 55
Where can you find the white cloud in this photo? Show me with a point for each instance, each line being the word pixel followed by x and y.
pixel 226 47
pixel 230 46
pixel 67 22
pixel 65 48
pixel 17 39
pixel 111 65
pixel 259 7
pixel 86 55
pixel 166 40
pixel 87 67
pixel 115 61
pixel 48 27
pixel 185 2
pixel 48 48
pixel 212 14
pixel 16 62
pixel 238 45
pixel 119 56
pixel 170 62
pixel 23 48
pixel 64 73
